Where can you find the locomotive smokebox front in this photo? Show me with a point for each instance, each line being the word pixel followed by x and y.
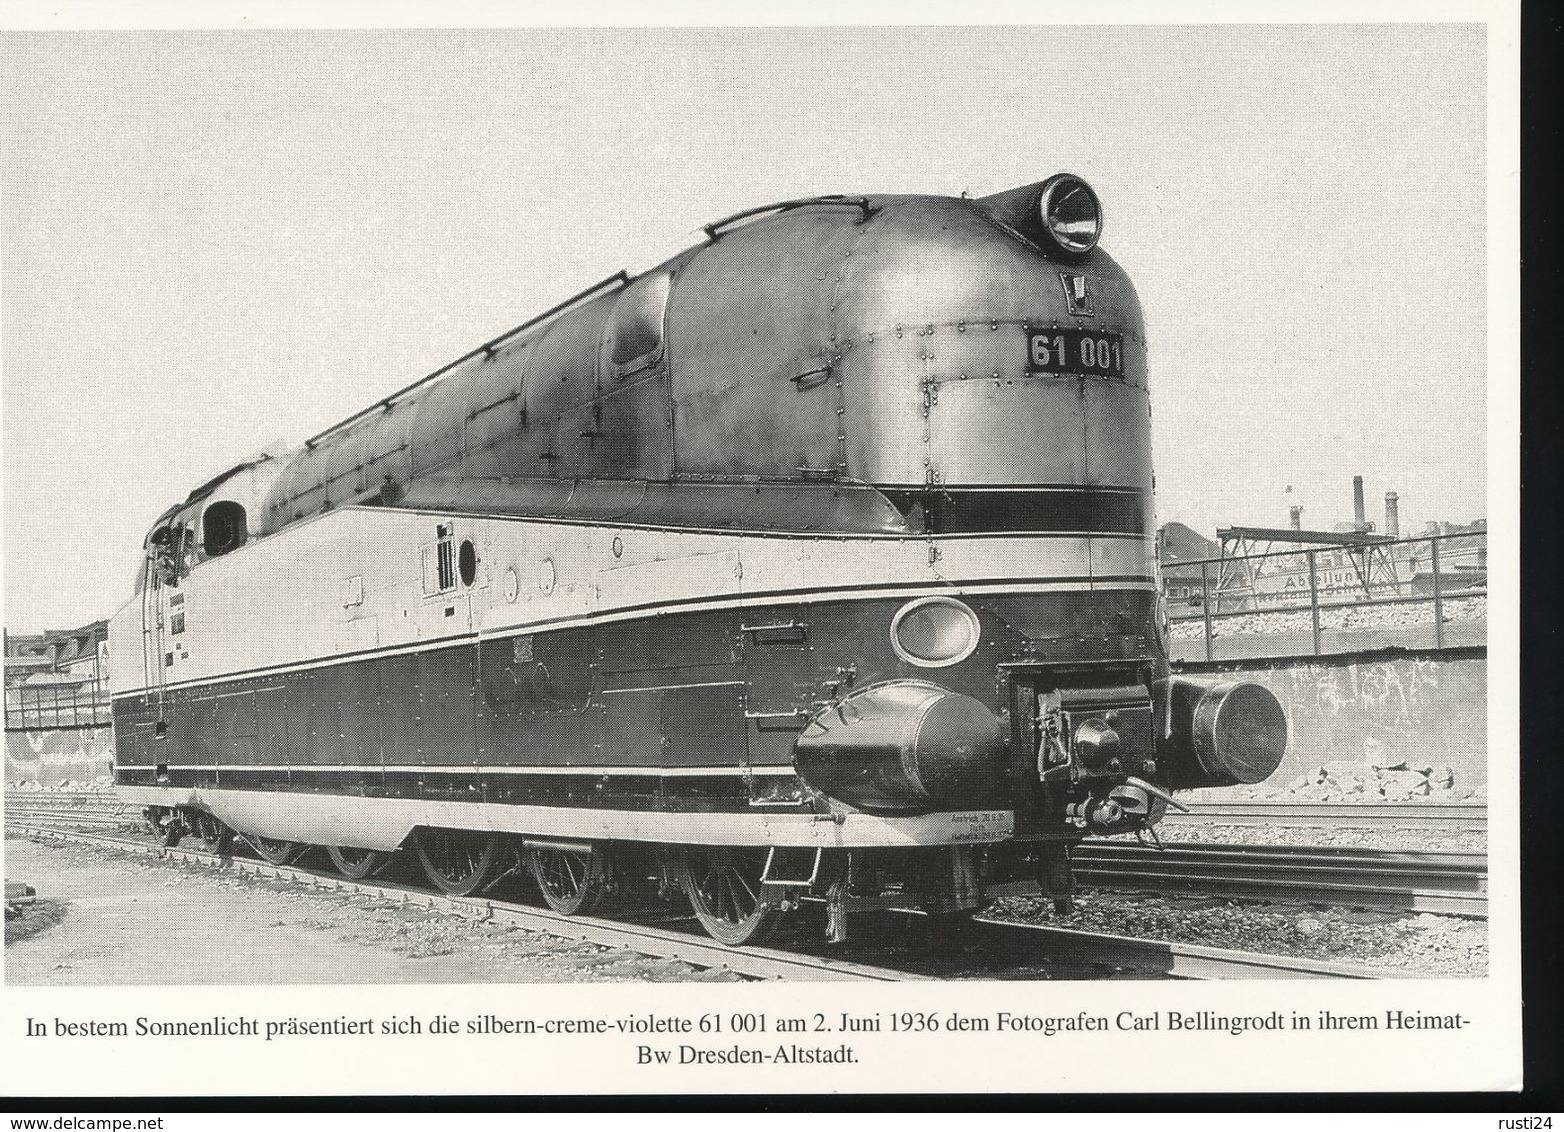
pixel 903 746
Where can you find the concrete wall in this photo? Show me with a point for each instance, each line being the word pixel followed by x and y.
pixel 52 757
pixel 1353 714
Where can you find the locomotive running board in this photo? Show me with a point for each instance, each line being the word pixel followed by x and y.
pixel 384 823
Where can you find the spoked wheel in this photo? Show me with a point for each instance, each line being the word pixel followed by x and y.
pixel 215 836
pixel 166 825
pixel 572 882
pixel 724 888
pixel 454 861
pixel 275 852
pixel 356 864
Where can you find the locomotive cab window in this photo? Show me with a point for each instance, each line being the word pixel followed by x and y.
pixel 633 339
pixel 187 549
pixel 223 528
pixel 162 554
pixel 173 550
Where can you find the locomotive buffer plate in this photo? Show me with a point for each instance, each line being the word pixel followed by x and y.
pixel 1068 350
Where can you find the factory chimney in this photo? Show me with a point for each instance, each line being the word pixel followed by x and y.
pixel 1358 517
pixel 1392 515
pixel 1297 517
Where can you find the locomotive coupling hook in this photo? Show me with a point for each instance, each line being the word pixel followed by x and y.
pixel 1156 792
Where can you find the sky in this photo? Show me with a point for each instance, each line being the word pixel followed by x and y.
pixel 211 241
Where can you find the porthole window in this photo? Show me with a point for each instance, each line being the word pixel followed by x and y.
pixel 633 339
pixel 935 632
pixel 467 562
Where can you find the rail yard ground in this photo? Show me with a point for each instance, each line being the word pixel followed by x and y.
pixel 105 919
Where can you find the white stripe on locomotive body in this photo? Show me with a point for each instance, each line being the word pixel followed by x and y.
pixel 384 823
pixel 288 600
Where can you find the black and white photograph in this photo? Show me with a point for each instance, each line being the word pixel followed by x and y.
pixel 900 555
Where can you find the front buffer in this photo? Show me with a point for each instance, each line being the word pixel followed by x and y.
pixel 906 746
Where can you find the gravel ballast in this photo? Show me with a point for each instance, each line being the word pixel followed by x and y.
pixel 1424 840
pixel 1417 945
pixel 1366 616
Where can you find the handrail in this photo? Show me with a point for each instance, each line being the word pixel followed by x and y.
pixel 1245 598
pixel 620 278
pixel 861 203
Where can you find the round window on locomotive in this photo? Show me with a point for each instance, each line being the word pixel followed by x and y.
pixel 467 562
pixel 935 632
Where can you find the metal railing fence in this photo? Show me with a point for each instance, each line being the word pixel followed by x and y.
pixel 1335 594
pixel 57 707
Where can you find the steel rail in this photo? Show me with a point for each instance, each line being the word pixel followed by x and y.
pixel 1365 815
pixel 1413 814
pixel 50 796
pixel 114 812
pixel 76 818
pixel 1398 880
pixel 657 943
pixel 1186 960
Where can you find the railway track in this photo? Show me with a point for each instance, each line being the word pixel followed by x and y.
pixel 104 819
pixel 1381 879
pixel 1352 815
pixel 97 811
pixel 980 948
pixel 1289 815
pixel 1445 883
pixel 64 800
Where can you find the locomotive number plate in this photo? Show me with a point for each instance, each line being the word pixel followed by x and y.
pixel 1062 349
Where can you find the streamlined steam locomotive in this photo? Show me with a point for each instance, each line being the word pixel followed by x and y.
pixel 814 566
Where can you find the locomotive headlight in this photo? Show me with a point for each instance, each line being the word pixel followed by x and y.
pixel 934 632
pixel 1071 214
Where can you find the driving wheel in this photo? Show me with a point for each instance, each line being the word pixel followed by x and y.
pixel 275 852
pixel 572 882
pixel 355 864
pixel 724 889
pixel 456 862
